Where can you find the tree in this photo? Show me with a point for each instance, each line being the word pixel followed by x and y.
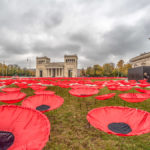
pixel 82 73
pixel 11 70
pixel 90 72
pixel 125 69
pixel 108 69
pixel 98 70
pixel 120 65
pixel 115 72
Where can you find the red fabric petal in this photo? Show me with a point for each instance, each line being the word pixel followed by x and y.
pixel 138 120
pixel 30 127
pixel 53 101
pixel 134 97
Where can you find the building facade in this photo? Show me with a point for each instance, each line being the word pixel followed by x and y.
pixel 141 60
pixel 46 68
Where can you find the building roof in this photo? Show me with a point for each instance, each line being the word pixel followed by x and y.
pixel 140 57
pixel 43 57
pixel 71 55
pixel 55 64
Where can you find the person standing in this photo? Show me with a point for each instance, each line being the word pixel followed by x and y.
pixel 146 77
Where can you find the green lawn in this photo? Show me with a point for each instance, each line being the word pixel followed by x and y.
pixel 71 131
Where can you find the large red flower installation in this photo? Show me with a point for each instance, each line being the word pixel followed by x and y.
pixel 11 89
pixel 44 92
pixel 12 97
pixel 134 97
pixel 105 96
pixel 140 90
pixel 144 85
pixel 22 128
pixel 64 85
pixel 146 91
pixel 112 87
pixel 75 86
pixel 122 121
pixel 83 92
pixel 124 88
pixel 37 87
pixel 22 85
pixel 43 103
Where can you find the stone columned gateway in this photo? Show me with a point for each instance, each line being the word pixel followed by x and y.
pixel 46 68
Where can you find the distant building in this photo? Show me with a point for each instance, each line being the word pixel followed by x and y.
pixel 46 68
pixel 141 60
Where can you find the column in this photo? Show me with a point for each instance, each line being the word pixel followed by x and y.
pixel 50 72
pixel 46 72
pixel 60 72
pixel 56 72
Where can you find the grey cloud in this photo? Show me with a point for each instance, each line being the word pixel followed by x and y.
pixel 81 37
pixel 52 20
pixel 122 42
pixel 47 49
pixel 127 7
pixel 27 26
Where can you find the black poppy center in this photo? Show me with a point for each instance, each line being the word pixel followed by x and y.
pixel 6 140
pixel 42 107
pixel 120 127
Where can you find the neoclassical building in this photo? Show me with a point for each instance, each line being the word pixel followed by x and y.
pixel 46 68
pixel 141 60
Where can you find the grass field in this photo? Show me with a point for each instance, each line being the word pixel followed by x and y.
pixel 71 131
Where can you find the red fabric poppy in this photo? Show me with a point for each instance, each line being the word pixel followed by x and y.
pixel 22 128
pixel 122 121
pixel 43 103
pixel 1 84
pixel 37 87
pixel 76 86
pixel 143 91
pixel 8 82
pixel 134 97
pixel 112 87
pixel 11 97
pixel 142 81
pixel 99 87
pixel 140 90
pixel 124 88
pixel 11 89
pixel 105 96
pixel 45 92
pixel 22 85
pixel 83 92
pixel 147 91
pixel 144 85
pixel 64 85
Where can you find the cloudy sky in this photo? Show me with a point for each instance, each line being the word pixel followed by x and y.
pixel 98 31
